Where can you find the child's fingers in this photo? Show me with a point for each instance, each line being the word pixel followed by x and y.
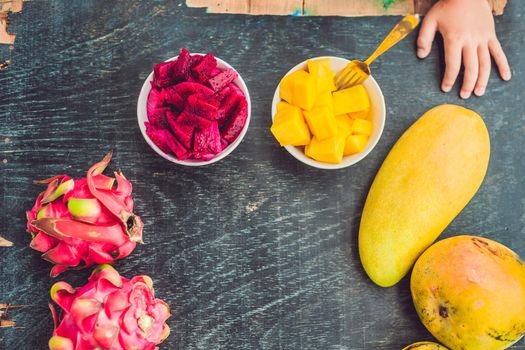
pixel 471 63
pixel 452 64
pixel 426 37
pixel 484 70
pixel 499 57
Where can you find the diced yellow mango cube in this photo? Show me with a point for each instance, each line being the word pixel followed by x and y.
pixel 283 105
pixel 329 151
pixel 290 128
pixel 286 89
pixel 325 99
pixel 321 70
pixel 351 100
pixel 362 127
pixel 355 144
pixel 300 89
pixel 360 115
pixel 321 122
pixel 344 125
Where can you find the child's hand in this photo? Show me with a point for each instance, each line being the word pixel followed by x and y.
pixel 468 31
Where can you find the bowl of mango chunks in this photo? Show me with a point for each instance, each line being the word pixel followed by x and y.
pixel 321 126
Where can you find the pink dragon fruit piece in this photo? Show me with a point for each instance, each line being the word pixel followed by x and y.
pixel 171 97
pixel 195 60
pixel 187 117
pixel 227 108
pixel 220 81
pixel 157 117
pixel 109 312
pixel 236 90
pixel 207 140
pixel 215 72
pixel 175 146
pixel 158 136
pixel 223 94
pixel 155 100
pixel 203 156
pixel 85 221
pixel 202 71
pixel 187 88
pixel 202 106
pixel 162 76
pixel 233 126
pixel 183 132
pixel 224 144
pixel 180 70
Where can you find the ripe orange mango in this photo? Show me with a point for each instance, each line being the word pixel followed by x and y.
pixel 469 292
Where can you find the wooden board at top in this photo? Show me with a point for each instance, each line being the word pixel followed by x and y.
pixel 323 7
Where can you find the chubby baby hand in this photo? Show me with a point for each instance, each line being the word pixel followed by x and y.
pixel 469 36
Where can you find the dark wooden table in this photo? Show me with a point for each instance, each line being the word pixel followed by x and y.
pixel 257 251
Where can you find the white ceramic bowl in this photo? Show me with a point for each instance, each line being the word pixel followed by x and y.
pixel 377 113
pixel 142 117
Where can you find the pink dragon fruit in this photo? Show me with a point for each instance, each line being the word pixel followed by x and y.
pixel 200 112
pixel 220 81
pixel 110 312
pixel 202 71
pixel 233 127
pixel 78 223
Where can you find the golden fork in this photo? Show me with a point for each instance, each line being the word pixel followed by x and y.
pixel 357 71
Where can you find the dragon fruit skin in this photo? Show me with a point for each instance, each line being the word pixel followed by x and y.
pixel 81 222
pixel 109 312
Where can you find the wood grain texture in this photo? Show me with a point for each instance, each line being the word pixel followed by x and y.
pixel 256 251
pixel 324 7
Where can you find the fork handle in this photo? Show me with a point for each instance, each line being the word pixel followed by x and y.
pixel 398 33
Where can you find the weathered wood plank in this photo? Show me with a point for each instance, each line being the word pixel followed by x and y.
pixel 324 7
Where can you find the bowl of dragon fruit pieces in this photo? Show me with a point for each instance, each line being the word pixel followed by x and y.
pixel 194 109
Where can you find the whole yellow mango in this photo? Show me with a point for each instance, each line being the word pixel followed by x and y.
pixel 470 293
pixel 428 177
pixel 425 345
